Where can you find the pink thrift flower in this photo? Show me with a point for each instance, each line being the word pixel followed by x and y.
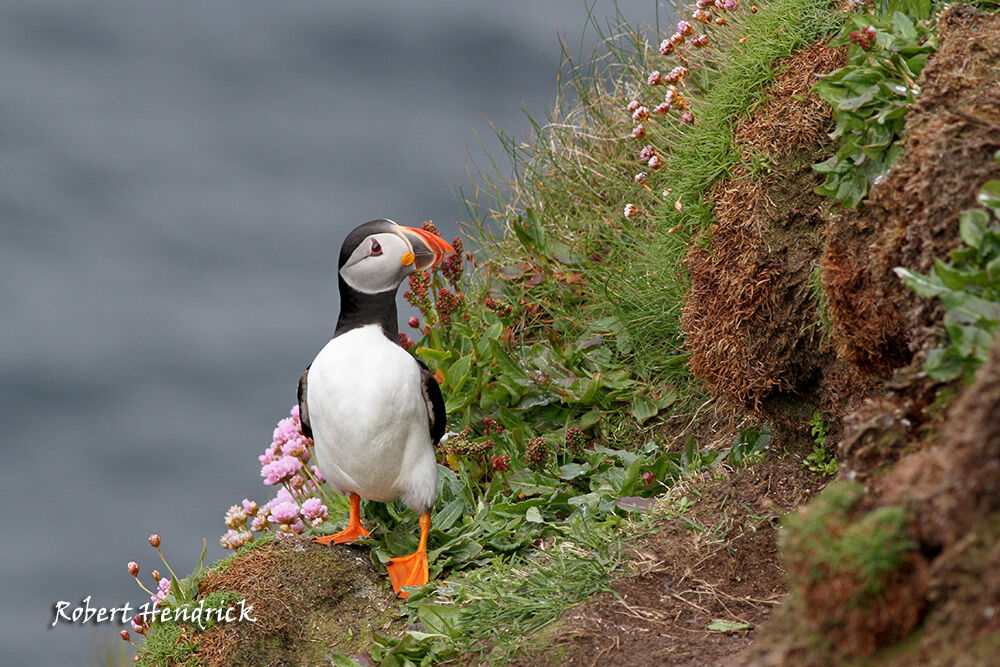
pixel 654 162
pixel 688 117
pixel 235 517
pixel 703 16
pixel 655 78
pixel 280 471
pixel 633 105
pixel 630 211
pixel 647 152
pixel 677 39
pixel 267 457
pixel 298 527
pixel 641 113
pixel 700 40
pixel 638 131
pixel 314 511
pixel 250 507
pixel 296 447
pixel 641 178
pixel 666 47
pixel 285 513
pixel 661 108
pixel 684 28
pixel 259 523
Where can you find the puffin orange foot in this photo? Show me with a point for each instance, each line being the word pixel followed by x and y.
pixel 349 534
pixel 407 571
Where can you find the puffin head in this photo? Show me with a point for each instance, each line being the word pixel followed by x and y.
pixel 377 256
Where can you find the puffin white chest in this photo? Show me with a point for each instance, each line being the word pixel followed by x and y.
pixel 370 420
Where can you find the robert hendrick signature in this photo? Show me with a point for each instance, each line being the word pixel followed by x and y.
pixel 196 614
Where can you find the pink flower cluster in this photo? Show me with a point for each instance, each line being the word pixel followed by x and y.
pixel 709 16
pixel 296 506
pixel 163 588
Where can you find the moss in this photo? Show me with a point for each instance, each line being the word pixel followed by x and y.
pixel 166 644
pixel 309 602
pixel 825 541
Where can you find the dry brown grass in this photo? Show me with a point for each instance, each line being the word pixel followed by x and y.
pixel 750 320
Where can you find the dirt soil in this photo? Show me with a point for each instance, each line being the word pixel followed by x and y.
pixel 717 560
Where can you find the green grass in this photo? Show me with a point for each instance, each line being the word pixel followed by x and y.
pixel 651 292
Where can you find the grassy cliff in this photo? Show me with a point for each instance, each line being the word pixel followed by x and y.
pixel 733 266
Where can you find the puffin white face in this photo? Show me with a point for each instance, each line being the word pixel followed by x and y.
pixel 379 263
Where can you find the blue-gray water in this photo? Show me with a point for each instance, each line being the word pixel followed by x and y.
pixel 175 180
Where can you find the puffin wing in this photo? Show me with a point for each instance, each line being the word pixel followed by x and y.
pixel 304 404
pixel 435 402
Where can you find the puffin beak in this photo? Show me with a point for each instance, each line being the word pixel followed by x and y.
pixel 429 250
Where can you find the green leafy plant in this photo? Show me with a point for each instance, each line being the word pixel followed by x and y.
pixel 871 94
pixel 821 460
pixel 969 288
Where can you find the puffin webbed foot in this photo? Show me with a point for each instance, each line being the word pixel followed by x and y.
pixel 354 528
pixel 349 534
pixel 411 570
pixel 407 571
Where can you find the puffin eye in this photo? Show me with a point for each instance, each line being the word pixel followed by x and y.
pixel 376 248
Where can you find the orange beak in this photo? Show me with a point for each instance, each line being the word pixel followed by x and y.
pixel 429 250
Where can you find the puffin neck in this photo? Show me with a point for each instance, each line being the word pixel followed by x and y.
pixel 359 310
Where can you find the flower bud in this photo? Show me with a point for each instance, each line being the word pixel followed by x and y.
pixel 125 635
pixel 156 575
pixel 133 568
pixel 414 322
pixel 154 541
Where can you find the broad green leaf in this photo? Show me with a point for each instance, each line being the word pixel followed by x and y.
pixel 972 226
pixel 572 470
pixel 456 373
pixel 431 354
pixel 643 409
pixel 592 388
pixel 925 286
pixel 446 517
pixel 989 196
pixel 631 477
pixel 533 515
pixel 440 619
pixel 950 276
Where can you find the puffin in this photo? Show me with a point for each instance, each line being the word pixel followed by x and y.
pixel 374 411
